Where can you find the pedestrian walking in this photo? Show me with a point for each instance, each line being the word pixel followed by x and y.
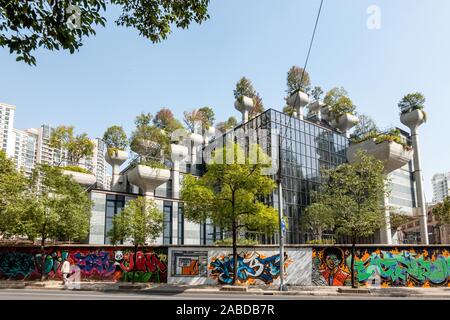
pixel 66 271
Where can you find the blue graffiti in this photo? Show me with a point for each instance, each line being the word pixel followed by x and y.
pixel 255 267
pixel 16 265
pixel 98 262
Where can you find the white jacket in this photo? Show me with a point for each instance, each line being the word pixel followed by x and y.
pixel 65 267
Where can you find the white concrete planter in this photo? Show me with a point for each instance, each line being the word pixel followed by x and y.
pixel 393 154
pixel 196 138
pixel 209 134
pixel 326 112
pixel 116 158
pixel 244 106
pixel 178 152
pixel 148 178
pixel 298 100
pixel 413 119
pixel 346 122
pixel 85 179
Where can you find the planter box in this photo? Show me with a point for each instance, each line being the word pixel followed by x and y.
pixel 148 178
pixel 346 122
pixel 245 105
pixel 85 179
pixel 413 119
pixel 117 158
pixel 393 154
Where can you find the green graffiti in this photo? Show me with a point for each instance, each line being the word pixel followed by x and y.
pixel 402 269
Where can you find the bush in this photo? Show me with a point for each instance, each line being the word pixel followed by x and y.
pixel 76 169
pixel 392 135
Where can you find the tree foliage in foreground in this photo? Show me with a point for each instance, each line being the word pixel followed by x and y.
pixel 57 207
pixel 229 194
pixel 12 188
pixel 352 196
pixel 64 24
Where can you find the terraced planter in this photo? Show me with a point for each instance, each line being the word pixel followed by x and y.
pixel 84 179
pixel 148 178
pixel 393 154
pixel 298 100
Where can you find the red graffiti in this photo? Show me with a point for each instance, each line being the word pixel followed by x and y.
pixel 147 262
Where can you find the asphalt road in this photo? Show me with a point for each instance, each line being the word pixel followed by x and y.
pixel 47 294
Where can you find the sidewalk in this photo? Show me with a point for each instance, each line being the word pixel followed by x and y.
pixel 443 292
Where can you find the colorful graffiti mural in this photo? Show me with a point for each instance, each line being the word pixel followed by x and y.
pixel 111 264
pixel 396 267
pixel 253 268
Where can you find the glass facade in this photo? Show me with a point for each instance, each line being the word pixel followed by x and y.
pixel 167 222
pixel 306 149
pixel 114 205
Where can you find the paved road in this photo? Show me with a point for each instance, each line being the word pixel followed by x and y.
pixel 40 294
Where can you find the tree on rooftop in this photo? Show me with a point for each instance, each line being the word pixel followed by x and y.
pixel 165 120
pixel 244 87
pixel 229 195
pixel 115 138
pixel 227 125
pixel 366 125
pixel 411 102
pixel 295 82
pixel 77 146
pixel 149 141
pixel 208 117
pixel 337 98
pixel 63 25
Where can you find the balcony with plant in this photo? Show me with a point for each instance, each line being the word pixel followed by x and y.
pixel 341 110
pixel 75 148
pixel 116 142
pixel 150 168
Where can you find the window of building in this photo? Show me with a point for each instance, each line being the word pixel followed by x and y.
pixel 167 222
pixel 114 205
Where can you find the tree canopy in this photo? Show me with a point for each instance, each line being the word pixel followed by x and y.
pixel 140 222
pixel 12 188
pixel 64 24
pixel 352 196
pixel 244 87
pixel 229 194
pixel 442 211
pixel 115 138
pixel 76 146
pixel 165 120
pixel 57 207
pixel 337 98
pixel 297 80
pixel 411 102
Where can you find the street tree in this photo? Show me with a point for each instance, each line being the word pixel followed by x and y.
pixel 442 211
pixel 297 80
pixel 229 194
pixel 58 208
pixel 12 188
pixel 77 146
pixel 26 26
pixel 316 219
pixel 140 222
pixel 354 193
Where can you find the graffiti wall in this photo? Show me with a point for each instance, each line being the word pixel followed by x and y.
pixel 383 267
pixel 255 266
pixel 87 263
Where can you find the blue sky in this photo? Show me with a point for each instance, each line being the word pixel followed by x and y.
pixel 118 74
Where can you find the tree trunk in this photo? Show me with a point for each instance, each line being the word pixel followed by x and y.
pixel 352 271
pixel 235 255
pixel 134 261
pixel 42 257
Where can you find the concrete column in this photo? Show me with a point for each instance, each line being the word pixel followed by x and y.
pixel 418 176
pixel 386 234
